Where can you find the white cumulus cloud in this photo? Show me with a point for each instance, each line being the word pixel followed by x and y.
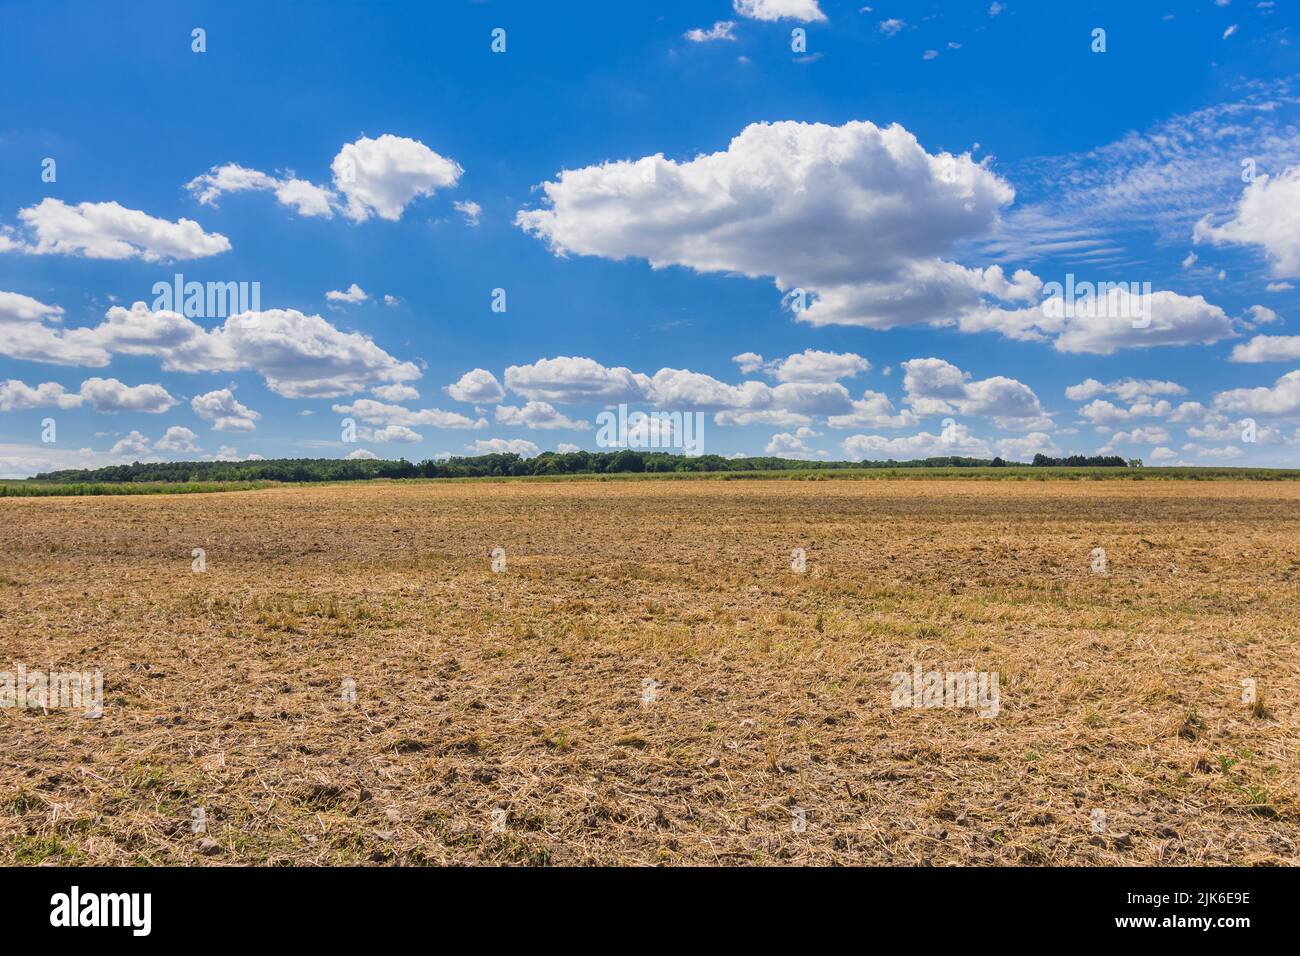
pixel 853 222
pixel 305 197
pixel 1267 348
pixel 1265 217
pixel 477 386
pixel 371 177
pixel 380 177
pixel 536 415
pixel 109 230
pixel 224 411
pixel 806 11
pixel 352 295
pixel 1283 398
pixel 109 396
pixel 16 395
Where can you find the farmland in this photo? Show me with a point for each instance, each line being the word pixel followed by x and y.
pixel 657 672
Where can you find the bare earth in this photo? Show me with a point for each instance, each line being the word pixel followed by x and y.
pixel 505 717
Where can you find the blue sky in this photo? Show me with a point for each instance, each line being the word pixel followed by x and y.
pixel 835 245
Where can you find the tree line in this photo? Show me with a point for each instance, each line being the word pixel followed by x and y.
pixel 625 461
pixel 1084 461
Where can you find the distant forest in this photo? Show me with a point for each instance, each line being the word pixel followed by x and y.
pixel 509 466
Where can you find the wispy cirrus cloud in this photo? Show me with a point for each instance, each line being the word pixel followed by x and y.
pixel 1082 206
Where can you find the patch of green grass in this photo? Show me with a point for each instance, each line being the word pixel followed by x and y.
pixel 25 850
pixel 42 489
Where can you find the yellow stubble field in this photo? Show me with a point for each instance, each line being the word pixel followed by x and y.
pixel 646 678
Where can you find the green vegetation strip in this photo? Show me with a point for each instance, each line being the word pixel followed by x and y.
pixel 145 480
pixel 34 488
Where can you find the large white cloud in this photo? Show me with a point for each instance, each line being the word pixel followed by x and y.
pixel 108 230
pixel 859 218
pixel 1267 348
pixel 304 356
pixel 108 395
pixel 933 378
pixel 573 380
pixel 379 177
pixel 1283 398
pixel 181 344
pixel 1267 216
pixel 300 356
pixel 105 395
pixel 1001 398
pixel 478 386
pixel 937 387
pixel 857 225
pixel 1117 320
pixel 16 308
pixel 17 396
